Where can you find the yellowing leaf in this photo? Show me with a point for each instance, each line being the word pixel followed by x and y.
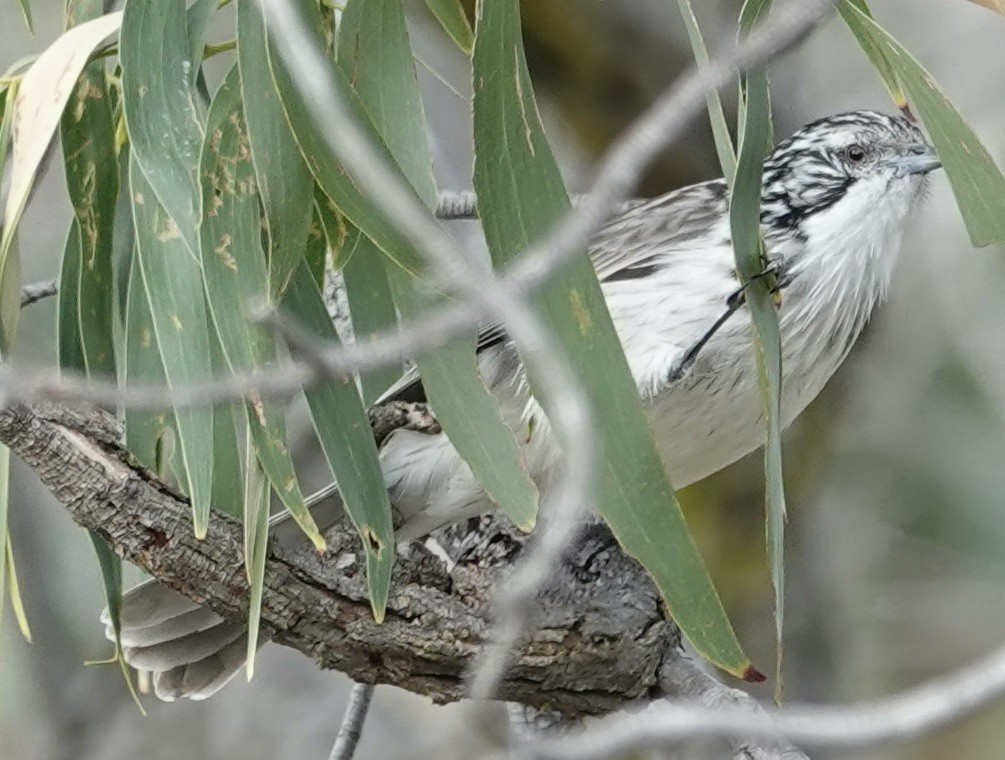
pixel 995 5
pixel 42 96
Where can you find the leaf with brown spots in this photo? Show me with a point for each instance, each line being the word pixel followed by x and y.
pixel 237 281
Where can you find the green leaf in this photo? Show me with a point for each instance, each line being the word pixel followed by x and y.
pixel 465 408
pixel 256 541
pixel 172 284
pixel 371 305
pixel 162 111
pixel 111 580
pixel 877 54
pixel 197 22
pixel 145 430
pixel 4 537
pixel 521 193
pixel 748 248
pixel 228 419
pixel 284 182
pixel 344 432
pixel 375 55
pixel 977 182
pixel 375 51
pixel 453 19
pixel 236 282
pixel 79 11
pixel 13 587
pixel 26 14
pixel 10 263
pixel 716 116
pixel 368 291
pixel 88 137
pixel 123 241
pixel 69 348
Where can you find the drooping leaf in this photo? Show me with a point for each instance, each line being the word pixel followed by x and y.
pixel 748 249
pixel 284 182
pixel 69 348
pixel 197 22
pixel 111 579
pixel 145 430
pixel 10 264
pixel 172 284
pixel 717 118
pixel 453 19
pixel 162 109
pixel 371 304
pixel 26 14
pixel 343 430
pixel 876 53
pixel 256 542
pixel 977 182
pixel 228 422
pixel 521 193
pixel 236 282
pixel 368 291
pixel 4 496
pixel 88 138
pixel 40 100
pixel 13 587
pixel 465 408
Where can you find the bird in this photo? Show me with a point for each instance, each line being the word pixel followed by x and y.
pixel 835 199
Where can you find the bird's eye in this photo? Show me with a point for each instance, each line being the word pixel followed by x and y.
pixel 855 153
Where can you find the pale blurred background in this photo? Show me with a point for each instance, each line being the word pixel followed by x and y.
pixel 896 481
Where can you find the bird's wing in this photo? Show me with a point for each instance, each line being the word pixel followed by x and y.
pixel 647 235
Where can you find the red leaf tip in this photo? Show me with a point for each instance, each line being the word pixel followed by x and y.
pixel 753 675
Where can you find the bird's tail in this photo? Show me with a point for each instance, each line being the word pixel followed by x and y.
pixel 190 651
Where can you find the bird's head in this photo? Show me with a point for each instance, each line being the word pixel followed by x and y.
pixel 856 165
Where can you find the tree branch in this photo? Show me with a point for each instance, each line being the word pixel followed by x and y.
pixel 600 637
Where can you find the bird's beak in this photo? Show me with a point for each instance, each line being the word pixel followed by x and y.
pixel 921 160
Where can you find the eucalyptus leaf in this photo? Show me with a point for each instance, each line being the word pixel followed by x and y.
pixel 13 587
pixel 236 283
pixel 256 542
pixel 453 19
pixel 976 181
pixel 748 249
pixel 285 184
pixel 172 285
pixel 877 53
pixel 465 408
pixel 145 430
pixel 716 116
pixel 343 430
pixel 88 139
pixel 520 194
pixel 40 99
pixel 162 111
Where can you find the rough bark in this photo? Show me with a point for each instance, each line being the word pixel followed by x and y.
pixel 598 640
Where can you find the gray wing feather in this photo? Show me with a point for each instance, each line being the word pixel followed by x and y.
pixel 644 236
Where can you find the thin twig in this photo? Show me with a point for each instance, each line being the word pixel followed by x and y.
pixel 352 722
pixel 36 291
pixel 919 711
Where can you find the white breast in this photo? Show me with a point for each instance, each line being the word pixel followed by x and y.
pixel 713 415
